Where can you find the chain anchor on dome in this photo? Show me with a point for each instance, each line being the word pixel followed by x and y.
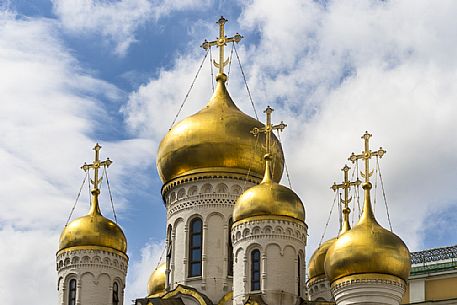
pixel 96 165
pixel 268 130
pixel 346 186
pixel 221 42
pixel 366 156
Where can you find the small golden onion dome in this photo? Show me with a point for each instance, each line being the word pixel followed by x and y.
pixel 316 265
pixel 93 230
pixel 216 139
pixel 316 262
pixel 367 251
pixel 156 283
pixel 268 198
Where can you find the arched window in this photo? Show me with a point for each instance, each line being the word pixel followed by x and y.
pixel 195 247
pixel 115 294
pixel 230 249
pixel 169 253
pixel 72 292
pixel 255 270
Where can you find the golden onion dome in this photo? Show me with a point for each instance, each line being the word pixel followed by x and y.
pixel 156 283
pixel 316 262
pixel 216 139
pixel 268 198
pixel 93 230
pixel 367 251
pixel 316 265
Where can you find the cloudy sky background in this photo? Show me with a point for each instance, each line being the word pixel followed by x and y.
pixel 76 72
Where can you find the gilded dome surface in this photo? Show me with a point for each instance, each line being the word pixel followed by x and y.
pixel 367 248
pixel 93 230
pixel 156 282
pixel 268 198
pixel 317 260
pixel 216 139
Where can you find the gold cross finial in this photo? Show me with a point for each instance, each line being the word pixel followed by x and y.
pixel 95 166
pixel 268 129
pixel 221 42
pixel 346 185
pixel 366 156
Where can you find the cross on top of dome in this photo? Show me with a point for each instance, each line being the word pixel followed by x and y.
pixel 221 42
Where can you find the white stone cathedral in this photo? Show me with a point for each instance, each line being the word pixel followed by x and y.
pixel 234 235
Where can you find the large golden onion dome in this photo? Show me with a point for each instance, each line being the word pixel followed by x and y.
pixel 93 230
pixel 156 283
pixel 268 198
pixel 216 139
pixel 367 251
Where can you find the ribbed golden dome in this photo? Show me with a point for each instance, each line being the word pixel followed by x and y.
pixel 216 139
pixel 93 230
pixel 268 198
pixel 156 283
pixel 367 250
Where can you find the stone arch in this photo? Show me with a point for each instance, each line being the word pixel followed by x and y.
pixel 85 259
pixel 192 191
pixel 172 196
pixel 214 214
pixel 246 232
pixel 256 230
pixel 96 260
pixel 267 229
pixel 206 188
pixel 236 189
pixel 222 188
pixel 278 230
pixel 106 261
pixel 181 193
pixel 75 260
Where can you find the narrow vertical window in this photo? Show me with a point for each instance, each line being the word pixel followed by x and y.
pixel 72 292
pixel 255 270
pixel 115 294
pixel 299 276
pixel 168 258
pixel 230 249
pixel 195 249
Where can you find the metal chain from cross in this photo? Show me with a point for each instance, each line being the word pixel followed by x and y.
pixel 345 185
pixel 366 156
pixel 221 42
pixel 95 166
pixel 268 129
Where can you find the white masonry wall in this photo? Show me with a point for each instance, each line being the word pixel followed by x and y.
pixel 280 243
pixel 95 272
pixel 368 292
pixel 211 199
pixel 319 290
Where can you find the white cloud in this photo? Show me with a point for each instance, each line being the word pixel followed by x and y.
pixel 48 111
pixel 116 21
pixel 331 73
pixel 140 271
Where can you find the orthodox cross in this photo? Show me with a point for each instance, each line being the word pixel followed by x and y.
pixel 366 156
pixel 221 42
pixel 268 129
pixel 346 185
pixel 96 165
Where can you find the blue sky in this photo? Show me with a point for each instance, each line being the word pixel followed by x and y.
pixel 77 72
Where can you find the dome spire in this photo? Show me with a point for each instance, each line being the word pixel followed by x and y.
pixel 221 42
pixel 268 129
pixel 366 155
pixel 96 164
pixel 345 185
